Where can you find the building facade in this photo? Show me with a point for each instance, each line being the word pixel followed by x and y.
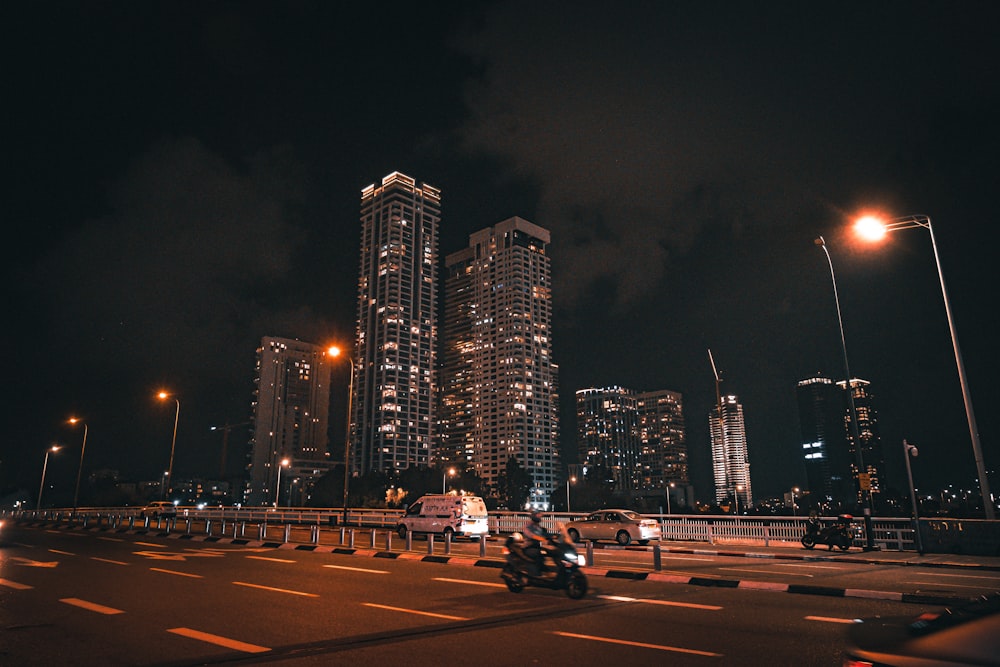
pixel 499 387
pixel 870 441
pixel 395 349
pixel 289 422
pixel 730 462
pixel 826 451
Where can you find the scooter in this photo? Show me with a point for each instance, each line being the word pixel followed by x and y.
pixel 560 569
pixel 836 534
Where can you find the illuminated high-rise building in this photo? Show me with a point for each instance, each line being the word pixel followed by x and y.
pixel 868 433
pixel 499 389
pixel 632 441
pixel 730 463
pixel 395 356
pixel 826 452
pixel 289 420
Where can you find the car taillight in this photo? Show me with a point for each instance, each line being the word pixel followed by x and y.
pixel 854 662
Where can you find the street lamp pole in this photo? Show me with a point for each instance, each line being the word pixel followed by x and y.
pixel 173 442
pixel 76 494
pixel 277 486
pixel 908 451
pixel 334 352
pixel 874 229
pixel 444 479
pixel 45 466
pixel 669 486
pixel 866 496
pixel 568 480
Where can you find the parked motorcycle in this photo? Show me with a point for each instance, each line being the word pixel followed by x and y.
pixel 560 568
pixel 836 534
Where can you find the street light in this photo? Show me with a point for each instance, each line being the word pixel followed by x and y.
pixel 444 478
pixel 908 451
pixel 76 494
pixel 873 229
pixel 173 441
pixel 334 351
pixel 53 448
pixel 225 441
pixel 569 480
pixel 670 486
pixel 866 493
pixel 795 490
pixel 277 486
pixel 736 497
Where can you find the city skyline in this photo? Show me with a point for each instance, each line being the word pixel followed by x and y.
pixel 179 196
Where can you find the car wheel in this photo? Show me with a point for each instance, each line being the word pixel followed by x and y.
pixel 402 532
pixel 623 538
pixel 574 535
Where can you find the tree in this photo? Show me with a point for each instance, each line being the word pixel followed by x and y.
pixel 514 484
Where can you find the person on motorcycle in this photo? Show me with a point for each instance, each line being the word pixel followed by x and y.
pixel 535 535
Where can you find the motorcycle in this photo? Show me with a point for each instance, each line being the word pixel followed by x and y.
pixel 560 569
pixel 836 534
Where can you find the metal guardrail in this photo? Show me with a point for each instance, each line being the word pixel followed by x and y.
pixel 891 534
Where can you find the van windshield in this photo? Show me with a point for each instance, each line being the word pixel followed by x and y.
pixel 475 507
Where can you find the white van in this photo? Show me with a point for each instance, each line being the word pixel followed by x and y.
pixel 459 516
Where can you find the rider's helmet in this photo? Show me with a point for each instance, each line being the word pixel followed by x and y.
pixel 536 516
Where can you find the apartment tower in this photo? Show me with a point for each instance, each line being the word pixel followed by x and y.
pixel 499 393
pixel 395 356
pixel 730 464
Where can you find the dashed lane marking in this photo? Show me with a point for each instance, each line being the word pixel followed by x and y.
pixel 415 611
pixel 276 590
pixel 658 647
pixel 219 641
pixel 91 606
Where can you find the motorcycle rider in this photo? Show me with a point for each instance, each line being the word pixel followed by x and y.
pixel 535 535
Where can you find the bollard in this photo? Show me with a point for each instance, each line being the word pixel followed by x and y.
pixel 388 540
pixel 430 543
pixel 351 537
pixel 343 532
pixel 482 546
pixel 409 541
pixel 131 522
pixel 238 529
pixel 262 531
pixel 86 520
pixel 288 532
pixel 373 539
pixel 314 534
pixel 208 526
pixel 187 525
pixel 447 543
pixel 657 565
pixel 590 554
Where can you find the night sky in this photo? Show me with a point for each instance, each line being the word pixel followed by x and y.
pixel 184 178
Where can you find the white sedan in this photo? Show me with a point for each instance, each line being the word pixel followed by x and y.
pixel 622 526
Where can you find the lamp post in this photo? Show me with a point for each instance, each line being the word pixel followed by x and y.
pixel 225 441
pixel 450 472
pixel 569 480
pixel 76 494
pixel 173 441
pixel 53 448
pixel 874 229
pixel 795 490
pixel 277 486
pixel 736 497
pixel 669 486
pixel 335 352
pixel 866 494
pixel 908 451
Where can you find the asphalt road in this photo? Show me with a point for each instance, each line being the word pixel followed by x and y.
pixel 131 598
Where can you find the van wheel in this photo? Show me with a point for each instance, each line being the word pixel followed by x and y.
pixel 449 534
pixel 402 532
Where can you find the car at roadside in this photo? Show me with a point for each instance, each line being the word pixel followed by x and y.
pixel 964 634
pixel 620 525
pixel 159 508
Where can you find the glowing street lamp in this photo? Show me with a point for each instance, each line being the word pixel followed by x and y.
pixel 173 441
pixel 874 229
pixel 795 490
pixel 45 466
pixel 277 487
pixel 570 480
pixel 736 497
pixel 76 494
pixel 444 478
pixel 335 351
pixel 866 492
pixel 908 451
pixel 670 486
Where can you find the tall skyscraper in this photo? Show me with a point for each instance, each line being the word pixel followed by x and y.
pixel 395 355
pixel 290 420
pixel 871 441
pixel 826 452
pixel 730 463
pixel 633 441
pixel 499 392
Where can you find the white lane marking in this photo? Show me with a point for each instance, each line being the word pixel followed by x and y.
pixel 150 544
pixel 273 560
pixel 658 647
pixel 666 603
pixel 108 560
pixel 91 606
pixel 467 581
pixel 414 611
pixel 179 574
pixel 110 539
pixel 991 577
pixel 831 619
pixel 815 567
pixel 35 563
pixel 356 569
pixel 784 574
pixel 219 641
pixel 16 586
pixel 276 590
pixel 62 553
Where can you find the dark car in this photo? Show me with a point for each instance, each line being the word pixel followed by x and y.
pixel 622 526
pixel 967 634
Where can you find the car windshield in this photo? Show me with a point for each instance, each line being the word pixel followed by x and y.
pixel 632 516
